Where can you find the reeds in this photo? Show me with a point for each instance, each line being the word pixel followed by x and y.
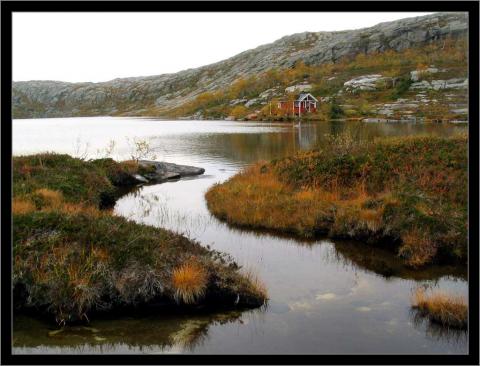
pixel 442 308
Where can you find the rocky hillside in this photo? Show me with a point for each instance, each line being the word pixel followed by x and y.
pixel 182 94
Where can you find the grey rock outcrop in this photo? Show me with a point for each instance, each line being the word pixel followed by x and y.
pixel 298 88
pixel 366 82
pixel 159 94
pixel 456 83
pixel 415 75
pixel 165 171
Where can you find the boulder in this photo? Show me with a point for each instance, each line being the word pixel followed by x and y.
pixel 269 93
pixel 415 75
pixel 238 101
pixel 252 102
pixel 298 88
pixel 456 83
pixel 165 171
pixel 366 82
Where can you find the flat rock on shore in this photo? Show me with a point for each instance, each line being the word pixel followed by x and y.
pixel 165 171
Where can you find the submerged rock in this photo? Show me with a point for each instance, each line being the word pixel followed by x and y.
pixel 165 171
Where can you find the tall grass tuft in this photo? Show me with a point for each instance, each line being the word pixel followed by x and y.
pixel 255 284
pixel 190 282
pixel 439 307
pixel 20 206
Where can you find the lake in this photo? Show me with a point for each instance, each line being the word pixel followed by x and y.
pixel 326 297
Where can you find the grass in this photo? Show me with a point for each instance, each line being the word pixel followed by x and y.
pixel 189 281
pixel 406 194
pixel 73 259
pixel 439 307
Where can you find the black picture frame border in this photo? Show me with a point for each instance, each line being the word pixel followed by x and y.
pixel 7 7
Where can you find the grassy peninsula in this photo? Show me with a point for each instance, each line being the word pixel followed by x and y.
pixel 73 259
pixel 406 194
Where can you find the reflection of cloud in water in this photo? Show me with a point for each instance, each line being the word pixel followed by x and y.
pixel 301 306
pixel 326 296
pixel 363 309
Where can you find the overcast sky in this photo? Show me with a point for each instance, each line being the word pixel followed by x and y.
pixel 103 46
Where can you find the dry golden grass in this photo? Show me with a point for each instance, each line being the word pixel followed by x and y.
pixel 190 282
pixel 260 199
pixel 418 246
pixel 439 307
pixel 257 199
pixel 20 206
pixel 74 208
pixel 53 201
pixel 130 166
pixel 256 286
pixel 52 198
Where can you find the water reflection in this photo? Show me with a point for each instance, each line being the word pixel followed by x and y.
pixel 172 333
pixel 455 337
pixel 385 263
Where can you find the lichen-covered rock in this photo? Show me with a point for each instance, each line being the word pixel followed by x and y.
pixel 456 83
pixel 417 74
pixel 366 82
pixel 298 88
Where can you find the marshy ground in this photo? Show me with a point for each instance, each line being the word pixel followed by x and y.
pixel 408 194
pixel 73 259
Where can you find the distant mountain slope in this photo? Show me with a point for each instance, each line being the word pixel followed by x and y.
pixel 161 94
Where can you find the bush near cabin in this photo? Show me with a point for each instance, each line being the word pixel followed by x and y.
pixel 408 194
pixel 72 259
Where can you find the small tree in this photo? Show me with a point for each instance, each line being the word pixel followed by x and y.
pixel 140 149
pixel 336 111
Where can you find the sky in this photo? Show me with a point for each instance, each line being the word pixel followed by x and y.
pixel 78 47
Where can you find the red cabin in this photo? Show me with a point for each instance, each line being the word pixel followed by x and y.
pixel 305 103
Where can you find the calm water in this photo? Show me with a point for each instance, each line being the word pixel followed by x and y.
pixel 325 296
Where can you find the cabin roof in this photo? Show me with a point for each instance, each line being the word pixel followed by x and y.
pixel 301 97
pixel 305 95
